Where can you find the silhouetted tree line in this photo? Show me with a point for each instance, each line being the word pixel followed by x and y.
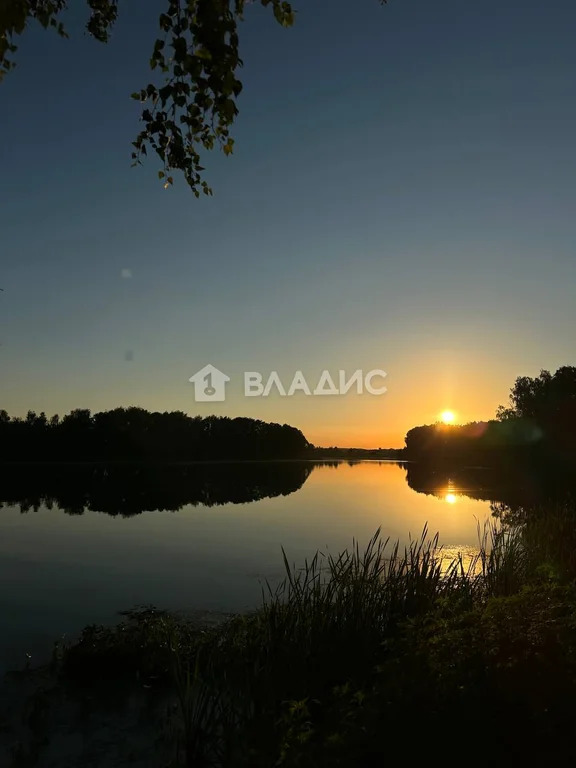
pixel 539 424
pixel 135 434
pixel 129 490
pixel 355 454
pixel 477 442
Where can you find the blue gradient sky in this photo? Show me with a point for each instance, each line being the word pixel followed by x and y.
pixel 401 196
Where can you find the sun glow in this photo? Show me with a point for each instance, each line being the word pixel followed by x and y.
pixel 448 417
pixel 450 498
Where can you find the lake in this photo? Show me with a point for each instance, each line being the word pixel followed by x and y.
pixel 78 544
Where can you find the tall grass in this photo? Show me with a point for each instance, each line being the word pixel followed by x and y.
pixel 363 592
pixel 335 618
pixel 502 562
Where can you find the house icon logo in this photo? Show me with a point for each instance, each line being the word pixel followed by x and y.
pixel 209 385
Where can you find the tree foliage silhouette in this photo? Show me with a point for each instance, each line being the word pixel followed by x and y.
pixel 540 421
pixel 549 402
pixel 134 434
pixel 193 106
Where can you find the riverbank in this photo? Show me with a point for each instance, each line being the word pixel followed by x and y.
pixel 345 655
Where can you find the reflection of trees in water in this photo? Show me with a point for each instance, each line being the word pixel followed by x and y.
pixel 548 532
pixel 507 487
pixel 538 502
pixel 124 489
pixel 130 490
pixel 335 463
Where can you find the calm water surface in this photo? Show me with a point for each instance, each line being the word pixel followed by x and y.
pixel 74 552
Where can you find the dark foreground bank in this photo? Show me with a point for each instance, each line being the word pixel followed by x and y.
pixel 348 658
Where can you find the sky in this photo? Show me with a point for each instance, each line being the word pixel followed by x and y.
pixel 401 197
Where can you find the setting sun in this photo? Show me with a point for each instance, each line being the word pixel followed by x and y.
pixel 447 417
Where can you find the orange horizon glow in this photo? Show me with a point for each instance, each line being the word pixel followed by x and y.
pixel 382 422
pixel 350 421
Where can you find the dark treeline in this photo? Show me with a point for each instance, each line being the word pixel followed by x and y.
pixel 134 434
pixel 478 442
pixel 355 454
pixel 128 490
pixel 539 424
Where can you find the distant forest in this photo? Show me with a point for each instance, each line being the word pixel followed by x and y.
pixel 538 424
pixel 134 434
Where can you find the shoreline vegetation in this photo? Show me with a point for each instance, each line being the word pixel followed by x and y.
pixel 538 425
pixel 346 653
pixel 134 434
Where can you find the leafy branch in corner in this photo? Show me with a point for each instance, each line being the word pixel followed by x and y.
pixel 193 105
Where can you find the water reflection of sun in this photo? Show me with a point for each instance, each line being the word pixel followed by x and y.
pixel 466 557
pixel 449 494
